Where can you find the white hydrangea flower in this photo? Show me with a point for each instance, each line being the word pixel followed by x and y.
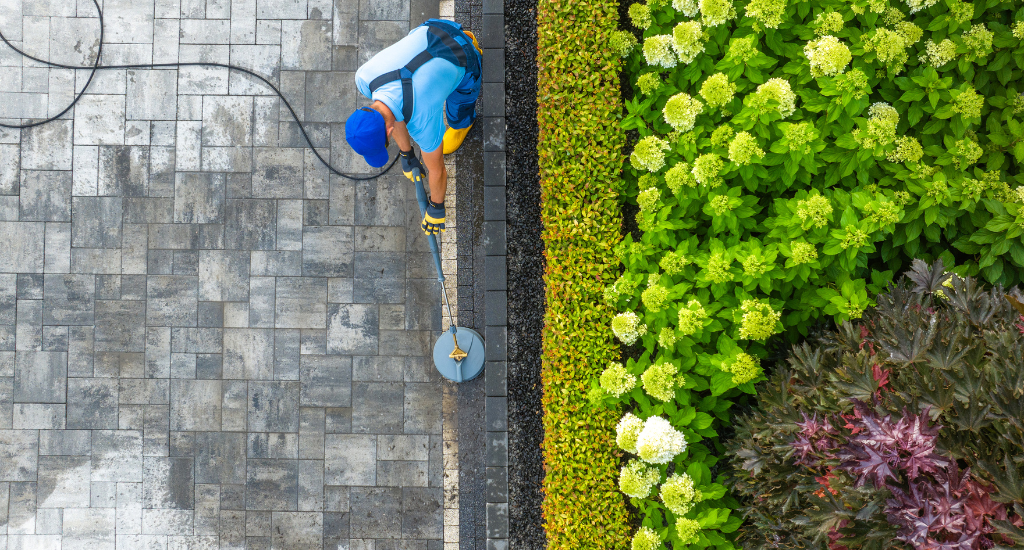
pixel 636 479
pixel 659 442
pixel 828 56
pixel 687 7
pixel 716 12
pixel 777 89
pixel 658 51
pixel 938 54
pixel 627 431
pixel 918 5
pixel 688 40
pixel 681 111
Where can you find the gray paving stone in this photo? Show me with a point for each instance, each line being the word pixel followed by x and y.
pixel 172 301
pixel 68 299
pixel 377 407
pixel 250 224
pixel 297 530
pixel 10 165
pixel 497 520
pixel 63 482
pixel 132 22
pixel 350 460
pixel 312 425
pixel 47 147
pixel 326 381
pixel 227 121
pixel 289 224
pixel 403 447
pixel 330 97
pixel 405 343
pixel 248 354
pixel 497 485
pixel 199 198
pixel 381 202
pixel 220 458
pixel 40 377
pixel 24 243
pixel 401 473
pixel 421 513
pixel 261 301
pixel 117 455
pixel 151 95
pixel 223 275
pixel 149 391
pixel 97 222
pixel 352 329
pixel 65 442
pixel 286 354
pixel 120 325
pixel 195 405
pixel 92 403
pixel 422 408
pixel 168 482
pixel 306 45
pixel 45 196
pixel 301 302
pixel 18 455
pixel 374 36
pixel 283 9
pixel 276 263
pixel 277 173
pixel 327 251
pixel 273 406
pixel 376 512
pixel 123 171
pixel 99 120
pixel 378 369
pixel 271 484
pixel 389 10
pixel 183 295
pixel 422 301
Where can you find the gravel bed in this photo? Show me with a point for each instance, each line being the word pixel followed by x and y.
pixel 525 282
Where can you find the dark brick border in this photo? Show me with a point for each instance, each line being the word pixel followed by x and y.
pixel 495 273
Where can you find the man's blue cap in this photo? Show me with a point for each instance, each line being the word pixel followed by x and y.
pixel 366 133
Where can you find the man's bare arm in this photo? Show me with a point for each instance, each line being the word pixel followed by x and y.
pixel 438 175
pixel 402 137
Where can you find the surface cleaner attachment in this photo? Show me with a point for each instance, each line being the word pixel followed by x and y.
pixel 459 351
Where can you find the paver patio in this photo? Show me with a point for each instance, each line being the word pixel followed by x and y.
pixel 207 341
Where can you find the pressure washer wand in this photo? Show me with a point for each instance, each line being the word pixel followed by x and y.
pixel 421 198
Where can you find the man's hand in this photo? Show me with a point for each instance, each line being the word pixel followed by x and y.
pixel 410 163
pixel 433 219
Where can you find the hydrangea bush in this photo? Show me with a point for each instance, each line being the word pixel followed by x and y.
pixel 791 157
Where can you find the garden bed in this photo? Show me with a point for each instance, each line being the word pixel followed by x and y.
pixel 791 158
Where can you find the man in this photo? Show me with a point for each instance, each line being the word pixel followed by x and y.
pixel 436 67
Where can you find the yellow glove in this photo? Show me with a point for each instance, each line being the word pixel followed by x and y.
pixel 433 218
pixel 410 165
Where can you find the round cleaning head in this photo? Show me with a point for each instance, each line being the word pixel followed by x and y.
pixel 470 347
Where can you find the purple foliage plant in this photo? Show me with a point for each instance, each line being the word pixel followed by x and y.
pixel 935 504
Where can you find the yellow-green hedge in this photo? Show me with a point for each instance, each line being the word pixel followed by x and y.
pixel 580 154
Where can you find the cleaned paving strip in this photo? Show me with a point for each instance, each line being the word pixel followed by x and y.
pixel 206 340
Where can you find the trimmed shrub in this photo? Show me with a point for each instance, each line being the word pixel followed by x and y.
pixel 580 156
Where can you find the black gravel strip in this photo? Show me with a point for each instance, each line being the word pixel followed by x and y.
pixel 525 282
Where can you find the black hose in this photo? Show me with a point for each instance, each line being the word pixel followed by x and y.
pixel 96 67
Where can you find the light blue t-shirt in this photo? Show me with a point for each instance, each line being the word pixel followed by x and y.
pixel 432 83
